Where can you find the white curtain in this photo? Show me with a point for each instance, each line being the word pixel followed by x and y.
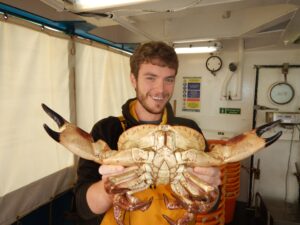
pixel 102 84
pixel 36 68
pixel 33 70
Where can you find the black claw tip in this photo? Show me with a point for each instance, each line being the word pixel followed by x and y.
pixel 272 139
pixel 262 129
pixel 52 133
pixel 56 117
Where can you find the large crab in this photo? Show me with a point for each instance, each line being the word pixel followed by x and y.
pixel 161 154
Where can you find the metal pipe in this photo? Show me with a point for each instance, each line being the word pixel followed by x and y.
pixel 253 126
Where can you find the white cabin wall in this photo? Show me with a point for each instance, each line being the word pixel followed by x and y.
pixel 277 164
pixel 222 126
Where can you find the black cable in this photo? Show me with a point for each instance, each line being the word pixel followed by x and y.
pixel 288 165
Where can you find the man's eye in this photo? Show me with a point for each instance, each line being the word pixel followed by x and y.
pixel 170 79
pixel 150 78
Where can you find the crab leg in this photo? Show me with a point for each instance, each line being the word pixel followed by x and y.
pixel 133 180
pixel 127 202
pixel 183 199
pixel 188 217
pixel 197 181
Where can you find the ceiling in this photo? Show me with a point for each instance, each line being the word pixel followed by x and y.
pixel 259 23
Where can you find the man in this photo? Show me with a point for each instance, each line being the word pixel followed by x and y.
pixel 154 67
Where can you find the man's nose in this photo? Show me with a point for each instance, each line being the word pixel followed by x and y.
pixel 159 86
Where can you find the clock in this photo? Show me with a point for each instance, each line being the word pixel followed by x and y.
pixel 281 93
pixel 214 64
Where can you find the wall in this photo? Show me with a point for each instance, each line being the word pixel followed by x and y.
pixel 223 126
pixel 277 164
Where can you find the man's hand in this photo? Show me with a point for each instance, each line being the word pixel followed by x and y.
pixel 110 170
pixel 98 199
pixel 210 175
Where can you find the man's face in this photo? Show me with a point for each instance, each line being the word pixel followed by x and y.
pixel 154 87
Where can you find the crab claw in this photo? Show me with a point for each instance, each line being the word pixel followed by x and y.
pixel 75 139
pixel 262 129
pixel 60 121
pixel 244 145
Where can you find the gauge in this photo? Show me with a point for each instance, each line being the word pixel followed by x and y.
pixel 281 93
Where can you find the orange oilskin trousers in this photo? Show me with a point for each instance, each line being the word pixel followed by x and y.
pixel 153 215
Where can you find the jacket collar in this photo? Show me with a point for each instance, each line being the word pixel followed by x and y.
pixel 131 117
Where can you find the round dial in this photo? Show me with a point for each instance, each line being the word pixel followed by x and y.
pixel 281 93
pixel 214 63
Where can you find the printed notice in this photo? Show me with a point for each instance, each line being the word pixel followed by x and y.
pixel 191 94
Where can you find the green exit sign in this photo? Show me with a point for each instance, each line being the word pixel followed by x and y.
pixel 230 111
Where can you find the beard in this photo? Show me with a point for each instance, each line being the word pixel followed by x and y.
pixel 150 105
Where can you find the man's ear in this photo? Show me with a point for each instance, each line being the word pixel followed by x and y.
pixel 133 80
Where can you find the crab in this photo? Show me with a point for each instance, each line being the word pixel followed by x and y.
pixel 160 154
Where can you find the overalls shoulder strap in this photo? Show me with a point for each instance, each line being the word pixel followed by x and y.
pixel 123 122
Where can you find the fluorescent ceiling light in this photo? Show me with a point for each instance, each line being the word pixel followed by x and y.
pixel 204 47
pixel 96 4
pixel 190 50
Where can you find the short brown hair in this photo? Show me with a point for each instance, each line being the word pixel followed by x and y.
pixel 155 52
